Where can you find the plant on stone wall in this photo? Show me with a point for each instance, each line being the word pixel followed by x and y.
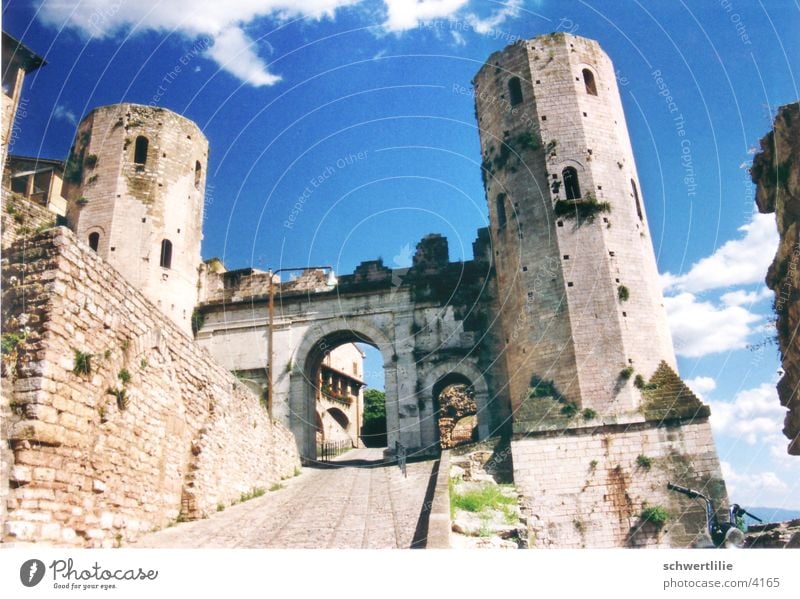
pixel 198 319
pixel 73 169
pixel 124 376
pixel 643 385
pixel 569 409
pixel 587 208
pixel 528 141
pixel 551 146
pixel 92 179
pixel 121 395
pixel 589 414
pixel 655 514
pixel 626 373
pixel 82 201
pixel 644 462
pixel 82 363
pixel 593 465
pixel 623 294
pixel 90 160
pixel 542 388
pixel 10 341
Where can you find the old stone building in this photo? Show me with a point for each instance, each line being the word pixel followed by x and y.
pixel 555 332
pixel 587 352
pixel 135 181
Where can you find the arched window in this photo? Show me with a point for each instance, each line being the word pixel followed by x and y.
pixel 636 197
pixel 588 81
pixel 166 253
pixel 500 207
pixel 198 171
pixel 571 186
pixel 514 91
pixel 140 150
pixel 94 240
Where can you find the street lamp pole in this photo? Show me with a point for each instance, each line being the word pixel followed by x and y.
pixel 330 282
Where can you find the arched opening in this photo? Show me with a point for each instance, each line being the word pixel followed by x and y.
pixel 198 171
pixel 341 379
pixel 455 410
pixel 166 254
pixel 94 240
pixel 140 150
pixel 588 81
pixel 514 91
pixel 571 186
pixel 500 209
pixel 636 198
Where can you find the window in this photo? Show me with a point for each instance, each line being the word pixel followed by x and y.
pixel 571 186
pixel 140 150
pixel 588 81
pixel 197 173
pixel 514 91
pixel 636 197
pixel 94 240
pixel 166 253
pixel 500 207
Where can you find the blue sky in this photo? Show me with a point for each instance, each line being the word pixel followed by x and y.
pixel 359 105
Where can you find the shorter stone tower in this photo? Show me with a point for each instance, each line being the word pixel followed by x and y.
pixel 135 182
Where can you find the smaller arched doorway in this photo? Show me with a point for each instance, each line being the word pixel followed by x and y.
pixel 456 410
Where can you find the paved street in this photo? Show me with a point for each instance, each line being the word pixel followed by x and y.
pixel 359 502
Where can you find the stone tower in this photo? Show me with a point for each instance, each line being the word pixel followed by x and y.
pixel 575 264
pixel 135 182
pixel 601 420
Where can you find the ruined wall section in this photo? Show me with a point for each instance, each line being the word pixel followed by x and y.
pixel 776 172
pixel 120 424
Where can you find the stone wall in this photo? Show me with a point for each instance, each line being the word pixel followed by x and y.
pixel 21 218
pixel 588 488
pixel 120 423
pixel 776 172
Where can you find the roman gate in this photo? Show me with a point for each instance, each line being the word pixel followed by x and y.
pixel 430 323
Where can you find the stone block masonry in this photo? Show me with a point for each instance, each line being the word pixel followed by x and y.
pixel 588 488
pixel 118 423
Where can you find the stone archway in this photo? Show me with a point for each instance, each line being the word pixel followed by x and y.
pixel 318 340
pixel 464 372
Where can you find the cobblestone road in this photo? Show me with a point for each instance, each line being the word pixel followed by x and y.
pixel 359 502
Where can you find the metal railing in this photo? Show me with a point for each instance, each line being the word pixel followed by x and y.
pixel 400 452
pixel 330 449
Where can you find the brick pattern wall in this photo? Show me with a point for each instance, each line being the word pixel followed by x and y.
pixel 588 489
pixel 21 218
pixel 153 431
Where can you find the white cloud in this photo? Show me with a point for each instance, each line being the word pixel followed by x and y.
pixel 403 15
pixel 234 53
pixel 700 327
pixel 702 385
pixel 222 21
pixel 750 485
pixel 62 113
pixel 736 262
pixel 752 416
pixel 492 22
pixel 740 297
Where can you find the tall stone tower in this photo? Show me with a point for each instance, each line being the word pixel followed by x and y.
pixel 591 370
pixel 135 182
pixel 580 291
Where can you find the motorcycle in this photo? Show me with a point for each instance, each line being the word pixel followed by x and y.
pixel 722 534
